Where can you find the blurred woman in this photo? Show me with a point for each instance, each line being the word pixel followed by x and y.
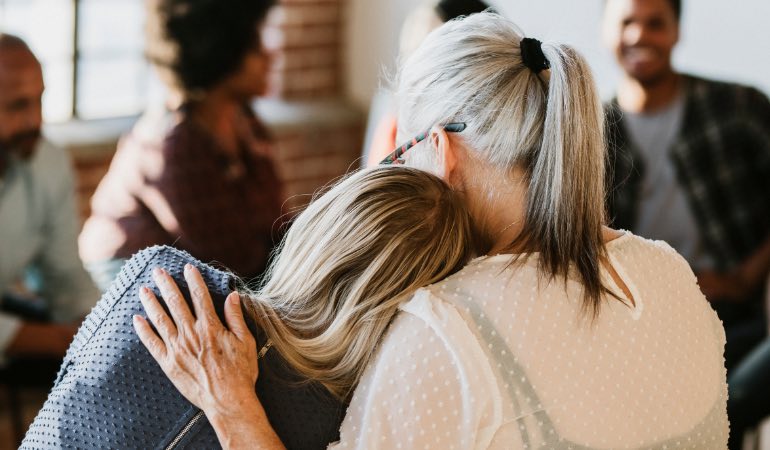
pixel 199 175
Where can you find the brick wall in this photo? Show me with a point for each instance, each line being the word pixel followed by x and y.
pixel 89 172
pixel 334 152
pixel 307 70
pixel 308 35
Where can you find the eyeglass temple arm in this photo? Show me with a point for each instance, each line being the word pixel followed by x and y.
pixel 454 127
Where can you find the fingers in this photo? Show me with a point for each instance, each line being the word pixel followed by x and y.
pixel 201 299
pixel 234 318
pixel 151 341
pixel 173 298
pixel 157 315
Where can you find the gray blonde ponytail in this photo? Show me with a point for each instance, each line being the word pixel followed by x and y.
pixel 564 211
pixel 548 123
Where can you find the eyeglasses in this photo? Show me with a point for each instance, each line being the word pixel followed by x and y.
pixel 396 156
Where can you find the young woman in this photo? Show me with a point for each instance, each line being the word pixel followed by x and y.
pixel 566 334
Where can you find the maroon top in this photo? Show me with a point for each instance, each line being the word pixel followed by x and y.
pixel 170 183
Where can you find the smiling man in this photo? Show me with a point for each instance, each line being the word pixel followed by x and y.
pixel 38 219
pixel 690 164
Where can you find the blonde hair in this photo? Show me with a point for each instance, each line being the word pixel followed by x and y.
pixel 550 125
pixel 349 260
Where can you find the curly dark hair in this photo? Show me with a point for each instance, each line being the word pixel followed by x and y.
pixel 200 42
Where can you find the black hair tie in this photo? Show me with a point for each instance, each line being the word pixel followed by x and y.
pixel 532 55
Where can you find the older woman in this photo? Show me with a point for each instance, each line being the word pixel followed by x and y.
pixel 199 175
pixel 564 334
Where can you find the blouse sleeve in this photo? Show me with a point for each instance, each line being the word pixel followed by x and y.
pixel 422 391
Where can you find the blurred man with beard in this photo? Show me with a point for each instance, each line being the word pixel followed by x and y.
pixel 38 221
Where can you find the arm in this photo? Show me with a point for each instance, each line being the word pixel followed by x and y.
pixel 214 367
pixel 740 283
pixel 745 280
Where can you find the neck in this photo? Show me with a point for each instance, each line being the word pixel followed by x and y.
pixel 497 206
pixel 635 96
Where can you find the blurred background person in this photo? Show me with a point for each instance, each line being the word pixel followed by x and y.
pixel 691 160
pixel 45 290
pixel 691 166
pixel 381 128
pixel 199 176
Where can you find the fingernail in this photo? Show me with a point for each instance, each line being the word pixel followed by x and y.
pixel 188 267
pixel 157 271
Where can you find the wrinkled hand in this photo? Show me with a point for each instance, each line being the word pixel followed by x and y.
pixel 729 286
pixel 214 367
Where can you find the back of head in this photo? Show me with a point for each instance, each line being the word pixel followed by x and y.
pixel 350 259
pixel 10 41
pixel 15 52
pixel 197 43
pixel 21 93
pixel 547 124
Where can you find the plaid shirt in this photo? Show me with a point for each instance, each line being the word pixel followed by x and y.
pixel 171 183
pixel 722 160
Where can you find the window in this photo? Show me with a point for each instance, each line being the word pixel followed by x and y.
pixel 91 52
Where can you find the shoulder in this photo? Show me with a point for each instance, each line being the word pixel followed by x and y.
pixel 164 134
pixel 730 96
pixel 717 86
pixel 427 368
pixel 52 165
pixel 431 327
pixel 182 137
pixel 49 155
pixel 654 255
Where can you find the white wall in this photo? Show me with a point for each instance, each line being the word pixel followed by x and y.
pixel 720 39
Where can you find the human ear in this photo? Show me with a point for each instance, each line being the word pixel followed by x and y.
pixel 446 152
